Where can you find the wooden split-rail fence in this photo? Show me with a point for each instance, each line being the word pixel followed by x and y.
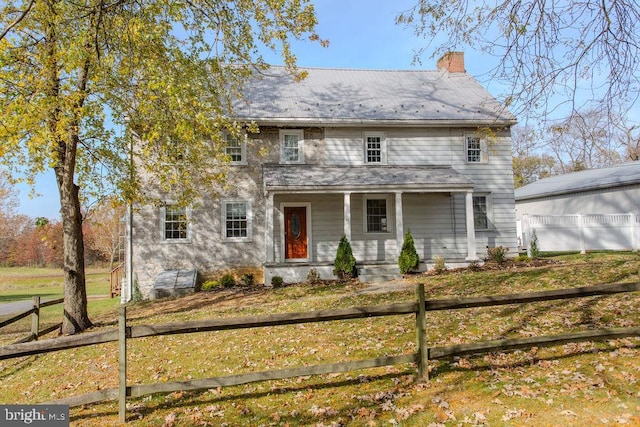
pixel 34 312
pixel 421 357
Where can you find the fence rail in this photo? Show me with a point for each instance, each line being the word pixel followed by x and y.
pixel 419 308
pixel 34 311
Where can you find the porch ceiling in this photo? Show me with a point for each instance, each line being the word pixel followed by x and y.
pixel 310 178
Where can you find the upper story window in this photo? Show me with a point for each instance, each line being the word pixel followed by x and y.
pixel 237 220
pixel 482 211
pixel 375 147
pixel 175 225
pixel 291 146
pixel 476 149
pixel 236 148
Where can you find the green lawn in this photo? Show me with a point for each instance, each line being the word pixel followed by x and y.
pixel 591 383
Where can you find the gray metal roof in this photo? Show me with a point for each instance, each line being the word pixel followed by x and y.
pixel 348 96
pixel 592 179
pixel 311 178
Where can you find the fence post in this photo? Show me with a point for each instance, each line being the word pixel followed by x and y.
pixel 634 238
pixel 35 318
pixel 583 249
pixel 525 230
pixel 122 365
pixel 423 351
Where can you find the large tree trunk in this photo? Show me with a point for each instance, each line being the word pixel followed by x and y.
pixel 66 137
pixel 76 317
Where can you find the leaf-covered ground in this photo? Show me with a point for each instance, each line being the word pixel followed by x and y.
pixel 591 383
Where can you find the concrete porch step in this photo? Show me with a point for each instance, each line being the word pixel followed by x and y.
pixel 378 273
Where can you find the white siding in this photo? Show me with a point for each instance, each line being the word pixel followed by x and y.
pixel 603 201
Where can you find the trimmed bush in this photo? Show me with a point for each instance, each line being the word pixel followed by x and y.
pixel 210 285
pixel 344 265
pixel 313 276
pixel 408 260
pixel 227 281
pixel 439 266
pixel 497 254
pixel 248 279
pixel 533 245
pixel 277 281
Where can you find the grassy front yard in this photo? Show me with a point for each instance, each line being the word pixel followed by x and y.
pixel 575 384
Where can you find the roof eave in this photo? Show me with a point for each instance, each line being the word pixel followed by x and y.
pixel 261 121
pixel 410 188
pixel 574 190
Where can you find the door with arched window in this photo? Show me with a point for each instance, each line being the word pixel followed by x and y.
pixel 295 233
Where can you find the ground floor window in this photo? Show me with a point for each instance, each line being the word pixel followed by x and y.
pixel 174 224
pixel 481 212
pixel 236 219
pixel 376 215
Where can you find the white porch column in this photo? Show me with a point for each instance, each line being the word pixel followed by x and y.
pixel 471 228
pixel 347 215
pixel 268 231
pixel 399 222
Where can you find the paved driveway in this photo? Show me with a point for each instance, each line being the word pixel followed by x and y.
pixel 15 307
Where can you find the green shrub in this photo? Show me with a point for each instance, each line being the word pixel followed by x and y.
pixel 313 276
pixel 522 258
pixel 534 249
pixel 277 281
pixel 408 260
pixel 248 279
pixel 344 265
pixel 210 285
pixel 497 254
pixel 227 281
pixel 137 294
pixel 439 265
pixel 475 266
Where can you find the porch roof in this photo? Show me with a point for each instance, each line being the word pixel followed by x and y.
pixel 312 178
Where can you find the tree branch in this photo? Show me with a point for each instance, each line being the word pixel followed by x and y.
pixel 17 21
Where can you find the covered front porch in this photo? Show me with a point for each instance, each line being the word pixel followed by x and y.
pixel 309 208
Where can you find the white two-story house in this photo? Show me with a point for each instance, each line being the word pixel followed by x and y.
pixel 367 154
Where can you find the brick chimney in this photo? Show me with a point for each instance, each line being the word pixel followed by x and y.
pixel 452 62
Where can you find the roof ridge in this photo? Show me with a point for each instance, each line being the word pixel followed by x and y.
pixel 381 70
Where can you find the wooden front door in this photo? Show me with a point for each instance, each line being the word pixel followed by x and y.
pixel 295 233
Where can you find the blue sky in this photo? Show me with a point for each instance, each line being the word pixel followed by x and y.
pixel 362 34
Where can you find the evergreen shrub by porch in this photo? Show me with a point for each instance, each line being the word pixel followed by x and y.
pixel 344 265
pixel 408 260
pixel 277 281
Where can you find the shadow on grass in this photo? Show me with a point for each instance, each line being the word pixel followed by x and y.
pixel 479 364
pixel 205 397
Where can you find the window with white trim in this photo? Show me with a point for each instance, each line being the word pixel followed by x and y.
pixel 375 147
pixel 376 215
pixel 173 152
pixel 237 220
pixel 291 146
pixel 476 150
pixel 175 224
pixel 482 211
pixel 236 148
